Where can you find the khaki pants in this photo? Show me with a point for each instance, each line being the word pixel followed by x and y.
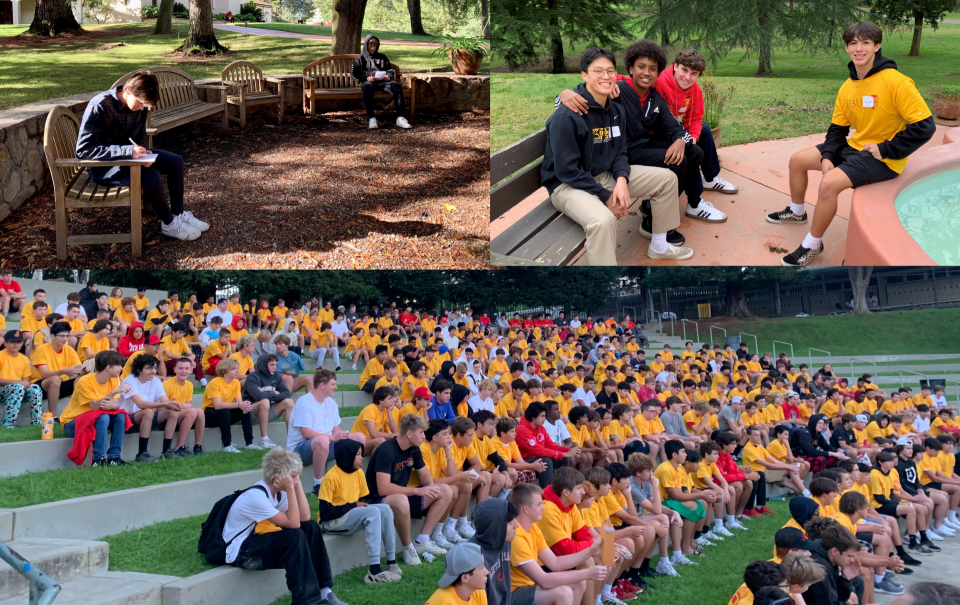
pixel 659 185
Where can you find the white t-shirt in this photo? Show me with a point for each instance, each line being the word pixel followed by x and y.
pixel 575 324
pixel 226 316
pixel 149 391
pixel 941 401
pixel 557 431
pixel 587 396
pixel 921 424
pixel 250 508
pixel 307 412
pixel 339 328
pixel 480 404
pixel 62 310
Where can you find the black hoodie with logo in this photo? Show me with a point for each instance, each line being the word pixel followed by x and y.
pixel 582 147
pixel 490 519
pixel 365 64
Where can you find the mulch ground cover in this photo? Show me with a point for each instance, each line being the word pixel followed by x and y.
pixel 327 193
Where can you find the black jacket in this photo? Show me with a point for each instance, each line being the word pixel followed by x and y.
pixel 808 442
pixel 905 142
pixel 581 147
pixel 832 590
pixel 490 517
pixel 909 479
pixel 365 65
pixel 261 384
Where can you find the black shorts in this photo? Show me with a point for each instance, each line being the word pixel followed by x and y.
pixel 524 595
pixel 866 539
pixel 66 389
pixel 415 503
pixel 861 167
pixel 934 485
pixel 889 508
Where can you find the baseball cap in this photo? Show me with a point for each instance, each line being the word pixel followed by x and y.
pixel 788 537
pixel 792 394
pixel 154 339
pixel 461 559
pixel 736 400
pixel 13 336
pixel 444 349
pixel 904 441
pixel 863 418
pixel 423 393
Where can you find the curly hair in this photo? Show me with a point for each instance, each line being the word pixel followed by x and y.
pixel 692 60
pixel 145 360
pixel 648 49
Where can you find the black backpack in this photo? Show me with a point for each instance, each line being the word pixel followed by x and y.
pixel 211 544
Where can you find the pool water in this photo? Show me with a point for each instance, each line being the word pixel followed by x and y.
pixel 930 212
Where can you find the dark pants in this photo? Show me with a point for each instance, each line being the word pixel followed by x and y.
pixel 368 386
pixel 151 180
pixel 394 88
pixel 197 368
pixel 759 495
pixel 225 418
pixel 299 552
pixel 687 171
pixel 636 447
pixel 711 161
pixel 546 477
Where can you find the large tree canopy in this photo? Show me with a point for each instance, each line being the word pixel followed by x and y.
pixel 903 12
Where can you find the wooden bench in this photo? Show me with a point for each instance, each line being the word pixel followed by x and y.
pixel 543 236
pixel 179 102
pixel 329 78
pixel 73 187
pixel 251 89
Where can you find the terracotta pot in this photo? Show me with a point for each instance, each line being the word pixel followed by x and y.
pixel 464 62
pixel 715 131
pixel 946 108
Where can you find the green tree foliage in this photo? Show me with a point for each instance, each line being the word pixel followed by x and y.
pixel 525 31
pixel 903 12
pixel 756 26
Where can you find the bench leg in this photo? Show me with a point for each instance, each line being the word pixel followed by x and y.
pixel 135 197
pixel 226 120
pixel 413 98
pixel 243 115
pixel 61 220
pixel 281 104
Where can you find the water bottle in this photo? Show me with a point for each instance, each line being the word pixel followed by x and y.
pixel 47 422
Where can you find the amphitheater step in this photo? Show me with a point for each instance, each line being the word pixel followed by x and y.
pixel 62 560
pixel 108 588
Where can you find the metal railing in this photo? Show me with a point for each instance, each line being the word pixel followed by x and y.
pixel 902 372
pixel 649 316
pixel 684 322
pixel 775 350
pixel 756 345
pixel 633 315
pixel 810 354
pixel 853 359
pixel 712 328
pixel 43 588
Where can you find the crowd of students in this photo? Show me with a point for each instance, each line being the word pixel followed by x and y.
pixel 558 430
pixel 614 139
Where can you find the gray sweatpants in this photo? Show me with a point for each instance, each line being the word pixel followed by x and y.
pixel 376 520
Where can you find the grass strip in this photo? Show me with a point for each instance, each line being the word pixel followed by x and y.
pixel 27 433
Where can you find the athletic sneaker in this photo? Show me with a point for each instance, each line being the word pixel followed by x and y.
pixel 703 541
pixel 410 556
pixel 395 569
pixel 706 212
pixel 951 524
pixel 429 547
pixel 908 560
pixel 787 217
pixel 665 567
pixel 622 593
pixel 193 221
pixel 117 462
pixel 681 559
pixel 801 256
pixel 183 452
pixel 629 586
pixel 930 545
pixel 452 538
pixel 945 531
pixel 920 548
pixel 611 599
pixel 465 530
pixel 381 578
pixel 713 537
pixel 735 525
pixel 169 455
pixel 198 450
pixel 179 229
pixel 765 510
pixel 677 253
pixel 645 207
pixel 99 462
pixel 934 535
pixel 232 449
pixel 253 446
pixel 145 458
pixel 673 236
pixel 338 368
pixel 888 586
pixel 720 530
pixel 750 512
pixel 403 123
pixel 373 124
pixel 267 444
pixel 719 184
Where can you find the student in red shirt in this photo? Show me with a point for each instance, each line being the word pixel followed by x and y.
pixel 12 297
pixel 534 443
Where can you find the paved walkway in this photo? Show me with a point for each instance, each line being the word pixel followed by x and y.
pixel 256 31
pixel 760 170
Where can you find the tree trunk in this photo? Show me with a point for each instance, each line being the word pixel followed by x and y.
pixel 347 21
pixel 917 32
pixel 664 34
pixel 164 18
pixel 737 302
pixel 556 41
pixel 416 23
pixel 764 69
pixel 860 281
pixel 776 299
pixel 485 19
pixel 201 35
pixel 54 17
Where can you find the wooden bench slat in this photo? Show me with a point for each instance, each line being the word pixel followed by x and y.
pixel 556 244
pixel 508 194
pixel 512 158
pixel 101 238
pixel 526 227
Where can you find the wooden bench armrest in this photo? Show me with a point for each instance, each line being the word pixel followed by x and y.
pixel 72 162
pixel 309 79
pixel 275 80
pixel 213 86
pixel 152 131
pixel 232 84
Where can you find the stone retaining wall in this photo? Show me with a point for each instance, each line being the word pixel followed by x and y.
pixel 23 167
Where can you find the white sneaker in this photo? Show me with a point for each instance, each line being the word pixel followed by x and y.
pixel 612 600
pixel 706 212
pixel 232 449
pixel 951 523
pixel 672 253
pixel 934 536
pixel 254 446
pixel 410 556
pixel 179 229
pixel 267 444
pixel 465 530
pixel 735 525
pixel 713 537
pixel 373 124
pixel 666 567
pixel 193 221
pixel 403 123
pixel 720 530
pixel 681 560
pixel 719 184
pixel 946 531
pixel 703 541
pixel 444 540
pixel 429 547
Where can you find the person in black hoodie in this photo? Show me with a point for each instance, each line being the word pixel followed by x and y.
pixel 891 121
pixel 496 527
pixel 266 384
pixel 813 444
pixel 654 137
pixel 836 551
pixel 365 68
pixel 586 171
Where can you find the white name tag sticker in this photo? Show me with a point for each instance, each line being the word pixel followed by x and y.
pixel 682 110
pixel 615 131
pixel 867 101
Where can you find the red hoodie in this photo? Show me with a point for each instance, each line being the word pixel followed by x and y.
pixel 728 468
pixel 581 538
pixel 685 105
pixel 536 443
pixel 237 324
pixel 128 345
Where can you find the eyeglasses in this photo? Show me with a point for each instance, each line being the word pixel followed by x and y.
pixel 600 72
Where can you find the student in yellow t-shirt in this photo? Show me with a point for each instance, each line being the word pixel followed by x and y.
pixel 760 461
pixel 505 444
pixel 98 391
pixel 465 579
pixel 673 481
pixel 375 421
pixel 15 386
pixel 158 318
pixel 56 366
pixel 223 406
pixel 216 352
pixel 93 342
pixel 244 357
pixel 374 369
pixel 142 303
pixel 179 390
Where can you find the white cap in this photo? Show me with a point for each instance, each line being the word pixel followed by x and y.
pixel 865 418
pixel 736 399
pixel 904 441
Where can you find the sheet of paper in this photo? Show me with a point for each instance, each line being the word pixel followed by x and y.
pixel 146 159
pixel 380 75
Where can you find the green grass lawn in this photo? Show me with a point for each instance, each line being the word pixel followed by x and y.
pixel 27 433
pixel 326 30
pixel 61 69
pixel 797 100
pixel 893 332
pixel 67 483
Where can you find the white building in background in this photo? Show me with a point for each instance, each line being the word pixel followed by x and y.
pixel 20 12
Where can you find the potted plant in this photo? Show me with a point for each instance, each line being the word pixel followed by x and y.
pixel 946 101
pixel 466 54
pixel 714 98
